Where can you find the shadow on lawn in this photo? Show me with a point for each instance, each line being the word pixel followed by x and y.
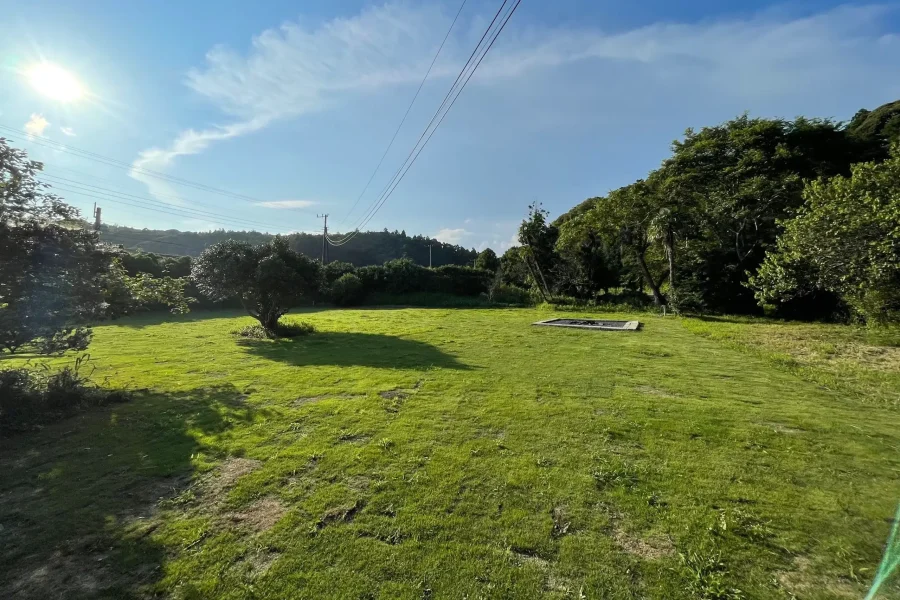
pixel 347 349
pixel 78 500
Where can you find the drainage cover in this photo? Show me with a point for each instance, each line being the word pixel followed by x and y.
pixel 591 324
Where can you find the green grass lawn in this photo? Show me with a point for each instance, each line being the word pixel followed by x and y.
pixel 415 453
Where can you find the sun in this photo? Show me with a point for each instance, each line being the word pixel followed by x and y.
pixel 55 82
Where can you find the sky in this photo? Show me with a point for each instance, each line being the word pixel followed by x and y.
pixel 288 106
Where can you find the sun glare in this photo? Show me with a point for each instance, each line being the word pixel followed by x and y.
pixel 55 82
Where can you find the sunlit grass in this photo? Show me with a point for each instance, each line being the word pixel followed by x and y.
pixel 458 453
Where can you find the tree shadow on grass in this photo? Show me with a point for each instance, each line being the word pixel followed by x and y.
pixel 346 349
pixel 73 496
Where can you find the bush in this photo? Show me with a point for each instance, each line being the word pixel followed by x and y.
pixel 294 329
pixel 31 397
pixel 286 330
pixel 509 294
pixel 347 290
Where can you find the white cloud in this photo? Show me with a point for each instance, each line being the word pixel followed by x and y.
pixel 287 204
pixel 36 124
pixel 68 131
pixel 451 236
pixel 297 69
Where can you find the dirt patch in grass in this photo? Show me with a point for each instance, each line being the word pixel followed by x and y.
pixel 257 564
pixel 229 472
pixel 394 395
pixel 801 581
pixel 65 575
pixel 259 516
pixel 648 549
pixel 561 522
pixel 343 513
pixel 652 391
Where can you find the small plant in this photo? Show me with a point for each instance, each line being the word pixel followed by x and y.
pixel 30 397
pixel 286 330
pixel 256 332
pixel 294 329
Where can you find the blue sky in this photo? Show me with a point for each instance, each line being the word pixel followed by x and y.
pixel 291 104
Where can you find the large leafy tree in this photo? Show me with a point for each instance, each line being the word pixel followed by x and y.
pixel 487 260
pixel 269 279
pixel 721 193
pixel 844 239
pixel 56 278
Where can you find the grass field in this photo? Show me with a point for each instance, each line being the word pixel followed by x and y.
pixel 439 453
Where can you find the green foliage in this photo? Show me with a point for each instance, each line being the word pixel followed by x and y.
pixel 348 290
pixel 333 271
pixel 511 295
pixel 56 278
pixel 845 239
pixel 268 279
pixel 878 128
pixel 366 248
pixel 487 260
pixel 34 396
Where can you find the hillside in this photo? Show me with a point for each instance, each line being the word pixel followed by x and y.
pixel 367 248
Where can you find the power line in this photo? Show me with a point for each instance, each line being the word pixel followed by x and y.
pixel 50 143
pixel 386 196
pixel 406 114
pixel 417 149
pixel 172 210
pixel 440 108
pixel 56 180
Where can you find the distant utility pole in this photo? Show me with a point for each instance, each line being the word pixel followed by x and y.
pixel 324 240
pixel 429 256
pixel 96 217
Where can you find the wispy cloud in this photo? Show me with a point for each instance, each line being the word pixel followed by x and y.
pixel 451 236
pixel 287 204
pixel 36 124
pixel 297 69
pixel 68 131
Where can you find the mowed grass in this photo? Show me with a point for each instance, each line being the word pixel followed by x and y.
pixel 415 453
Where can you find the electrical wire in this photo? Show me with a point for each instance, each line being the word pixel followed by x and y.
pixel 392 185
pixel 50 143
pixel 430 123
pixel 55 180
pixel 172 211
pixel 405 115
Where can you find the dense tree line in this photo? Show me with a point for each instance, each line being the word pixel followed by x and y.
pixel 366 248
pixel 796 216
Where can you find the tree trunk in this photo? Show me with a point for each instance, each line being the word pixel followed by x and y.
pixel 670 253
pixel 654 287
pixel 538 283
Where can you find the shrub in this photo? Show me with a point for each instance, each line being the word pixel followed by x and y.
pixel 294 329
pixel 30 397
pixel 347 290
pixel 255 331
pixel 287 330
pixel 509 294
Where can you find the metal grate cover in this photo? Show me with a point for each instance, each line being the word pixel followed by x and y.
pixel 599 324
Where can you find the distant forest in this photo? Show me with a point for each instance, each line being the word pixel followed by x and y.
pixel 367 248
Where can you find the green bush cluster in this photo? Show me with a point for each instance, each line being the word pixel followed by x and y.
pixel 31 397
pixel 401 277
pixel 283 330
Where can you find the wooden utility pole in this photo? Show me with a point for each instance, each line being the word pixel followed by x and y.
pixel 96 217
pixel 429 256
pixel 324 238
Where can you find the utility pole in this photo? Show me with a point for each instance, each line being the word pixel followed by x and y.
pixel 429 256
pixel 324 240
pixel 96 217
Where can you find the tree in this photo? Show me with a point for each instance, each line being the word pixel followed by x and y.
pixel 538 238
pixel 844 239
pixel 487 260
pixel 268 279
pixel 56 278
pixel 624 218
pixel 592 263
